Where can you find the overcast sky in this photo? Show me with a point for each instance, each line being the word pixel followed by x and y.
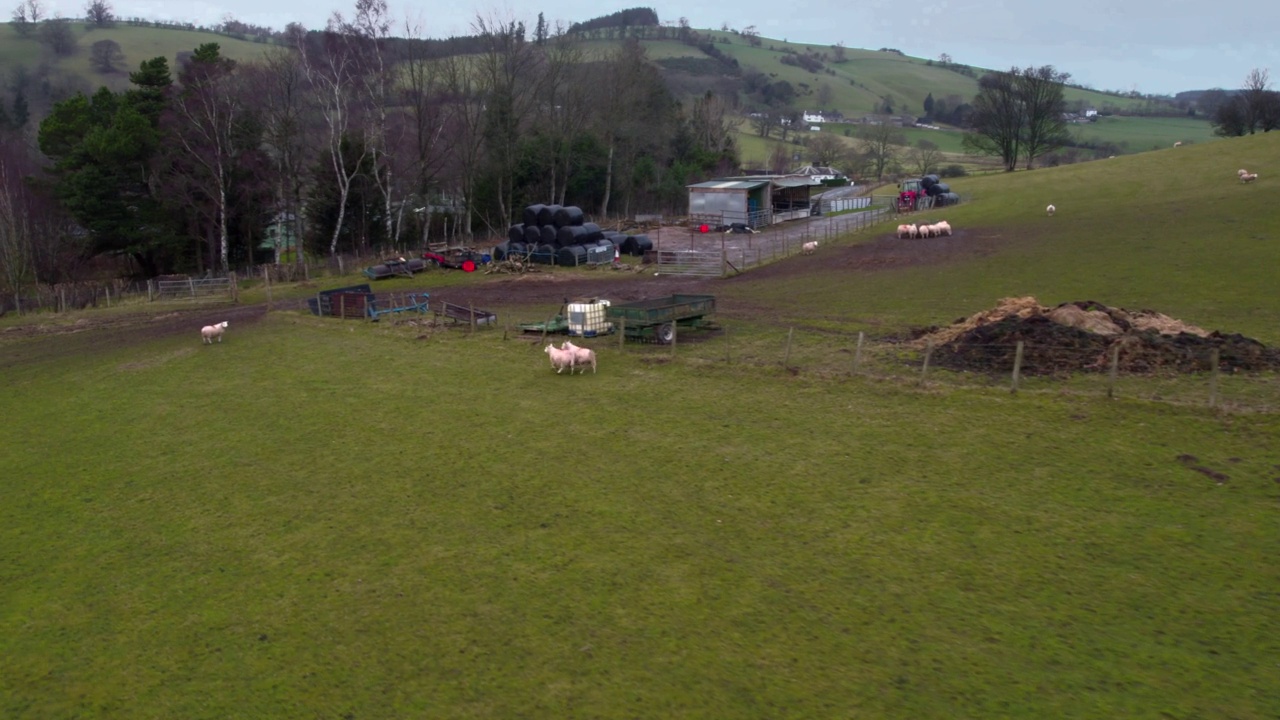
pixel 1153 46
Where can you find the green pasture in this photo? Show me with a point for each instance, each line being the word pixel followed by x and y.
pixel 1139 134
pixel 319 518
pixel 1172 230
pixel 137 43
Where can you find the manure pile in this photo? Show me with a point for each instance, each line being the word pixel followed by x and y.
pixel 1077 336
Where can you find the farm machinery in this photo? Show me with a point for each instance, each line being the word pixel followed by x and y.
pixel 654 320
pixel 923 193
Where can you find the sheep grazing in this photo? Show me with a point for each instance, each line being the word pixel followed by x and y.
pixel 1051 210
pixel 906 231
pixel 581 356
pixel 1242 172
pixel 943 228
pixel 1178 144
pixel 209 332
pixel 809 247
pixel 928 231
pixel 560 359
pixel 1248 177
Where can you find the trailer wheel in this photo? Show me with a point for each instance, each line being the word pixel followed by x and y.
pixel 664 333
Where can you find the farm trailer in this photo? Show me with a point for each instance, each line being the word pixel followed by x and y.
pixel 656 319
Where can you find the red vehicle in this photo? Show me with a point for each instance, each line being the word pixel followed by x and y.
pixel 456 258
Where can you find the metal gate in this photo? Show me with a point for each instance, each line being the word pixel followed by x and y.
pixel 708 263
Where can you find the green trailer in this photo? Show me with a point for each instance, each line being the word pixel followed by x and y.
pixel 656 320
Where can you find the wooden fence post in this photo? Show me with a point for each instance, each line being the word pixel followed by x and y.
pixel 1017 368
pixel 622 333
pixel 727 356
pixel 1113 371
pixel 235 288
pixel 342 306
pixel 1213 378
pixel 928 355
pixel 857 353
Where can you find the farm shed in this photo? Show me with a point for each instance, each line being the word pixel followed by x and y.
pixel 752 200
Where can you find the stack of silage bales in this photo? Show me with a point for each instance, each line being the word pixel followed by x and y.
pixel 939 191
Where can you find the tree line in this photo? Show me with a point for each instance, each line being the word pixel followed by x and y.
pixel 350 141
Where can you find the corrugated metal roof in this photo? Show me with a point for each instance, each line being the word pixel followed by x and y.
pixel 730 184
pixel 792 182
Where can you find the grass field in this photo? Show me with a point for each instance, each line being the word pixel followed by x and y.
pixel 327 519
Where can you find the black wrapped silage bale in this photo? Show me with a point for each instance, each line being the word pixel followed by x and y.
pixel 593 231
pixel 517 248
pixel 628 246
pixel 499 252
pixel 642 244
pixel 568 215
pixel 532 234
pixel 530 214
pixel 950 198
pixel 515 233
pixel 926 182
pixel 939 188
pixel 545 254
pixel 548 235
pixel 614 235
pixel 571 255
pixel 571 235
pixel 547 215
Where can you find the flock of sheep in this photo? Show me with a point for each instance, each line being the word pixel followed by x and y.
pixel 938 229
pixel 570 356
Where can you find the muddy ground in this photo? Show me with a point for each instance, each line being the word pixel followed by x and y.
pixel 1049 347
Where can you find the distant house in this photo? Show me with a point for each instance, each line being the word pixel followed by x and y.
pixel 814 117
pixel 1091 112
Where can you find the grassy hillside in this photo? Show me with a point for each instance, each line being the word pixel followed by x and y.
pixel 138 44
pixel 1172 230
pixel 321 518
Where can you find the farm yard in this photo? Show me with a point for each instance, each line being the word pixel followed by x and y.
pixel 341 518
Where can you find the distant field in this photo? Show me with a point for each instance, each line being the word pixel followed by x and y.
pixel 138 44
pixel 1138 134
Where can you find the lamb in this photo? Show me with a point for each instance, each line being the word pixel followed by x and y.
pixel 581 356
pixel 906 231
pixel 809 247
pixel 942 227
pixel 560 359
pixel 209 332
pixel 1051 210
pixel 1249 177
pixel 1242 172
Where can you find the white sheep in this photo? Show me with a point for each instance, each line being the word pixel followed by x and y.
pixel 209 332
pixel 1249 177
pixel 943 228
pixel 1051 210
pixel 1178 144
pixel 560 359
pixel 809 247
pixel 906 231
pixel 1242 172
pixel 581 356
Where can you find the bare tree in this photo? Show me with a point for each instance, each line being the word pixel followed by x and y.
pixel 779 159
pixel 208 109
pixel 763 123
pixel 464 113
pixel 924 157
pixel 333 73
pixel 105 56
pixel 367 35
pixel 1045 129
pixel 998 118
pixel 279 83
pixel 507 67
pixel 57 34
pixel 880 146
pixel 99 14
pixel 423 92
pixel 1261 104
pixel 27 15
pixel 826 149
